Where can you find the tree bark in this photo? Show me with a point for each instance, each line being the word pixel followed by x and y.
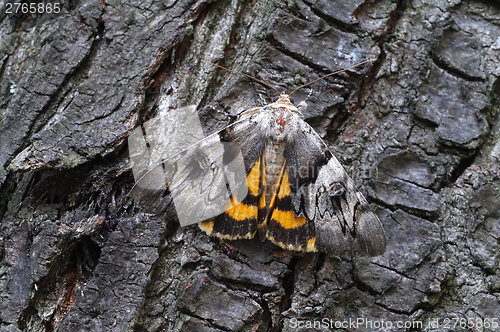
pixel 417 130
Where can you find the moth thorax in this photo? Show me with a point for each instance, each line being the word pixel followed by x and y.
pixel 281 120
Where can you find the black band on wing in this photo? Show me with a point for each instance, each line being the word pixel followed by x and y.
pixel 298 238
pixel 230 228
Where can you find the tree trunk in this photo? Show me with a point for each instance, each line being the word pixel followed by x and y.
pixel 417 130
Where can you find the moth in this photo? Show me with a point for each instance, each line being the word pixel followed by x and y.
pixel 296 193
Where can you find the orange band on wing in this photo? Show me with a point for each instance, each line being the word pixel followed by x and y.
pixel 285 186
pixel 242 211
pixel 287 219
pixel 253 179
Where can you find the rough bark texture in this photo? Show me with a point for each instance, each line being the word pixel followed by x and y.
pixel 418 131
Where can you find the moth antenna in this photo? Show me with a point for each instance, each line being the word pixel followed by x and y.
pixel 246 75
pixel 335 72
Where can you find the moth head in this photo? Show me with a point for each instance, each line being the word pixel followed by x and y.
pixel 284 102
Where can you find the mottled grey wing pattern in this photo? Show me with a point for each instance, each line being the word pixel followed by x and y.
pixel 323 192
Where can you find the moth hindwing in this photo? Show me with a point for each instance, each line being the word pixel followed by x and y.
pixel 296 192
